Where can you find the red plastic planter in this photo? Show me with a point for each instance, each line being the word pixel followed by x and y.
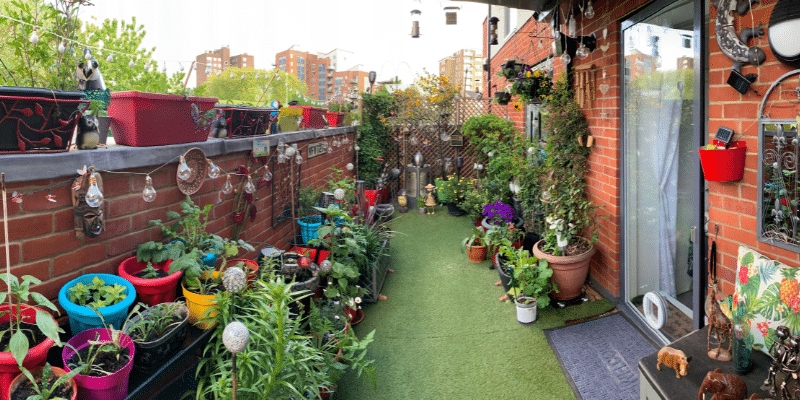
pixel 151 119
pixel 335 119
pixel 313 117
pixel 36 355
pixel 724 165
pixel 150 291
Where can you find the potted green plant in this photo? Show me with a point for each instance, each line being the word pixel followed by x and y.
pixel 157 332
pixel 45 383
pixel 530 283
pixel 569 214
pixel 453 192
pixel 110 295
pixel 27 331
pixel 475 244
pixel 474 200
pixel 309 219
pixel 289 119
pixel 347 252
pixel 532 85
pixel 153 283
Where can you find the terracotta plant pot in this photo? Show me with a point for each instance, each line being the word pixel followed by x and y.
pixel 150 291
pixel 109 387
pixel 569 273
pixel 37 373
pixel 476 253
pixel 36 355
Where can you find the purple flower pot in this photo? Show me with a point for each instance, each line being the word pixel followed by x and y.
pixel 110 387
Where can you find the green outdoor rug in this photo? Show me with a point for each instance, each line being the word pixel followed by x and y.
pixel 443 334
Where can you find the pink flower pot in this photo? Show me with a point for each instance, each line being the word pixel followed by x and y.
pixel 110 387
pixel 36 355
pixel 150 291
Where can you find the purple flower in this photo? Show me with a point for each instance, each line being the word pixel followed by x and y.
pixel 498 213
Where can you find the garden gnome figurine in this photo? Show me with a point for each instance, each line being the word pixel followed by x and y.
pixel 430 199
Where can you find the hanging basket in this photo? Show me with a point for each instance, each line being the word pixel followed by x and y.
pixel 724 165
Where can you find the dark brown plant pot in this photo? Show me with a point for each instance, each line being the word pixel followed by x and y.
pixel 569 273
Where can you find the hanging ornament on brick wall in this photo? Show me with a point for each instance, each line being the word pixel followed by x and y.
pixel 227 188
pixel 192 171
pixel 149 192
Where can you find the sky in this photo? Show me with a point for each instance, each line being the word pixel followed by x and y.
pixel 376 31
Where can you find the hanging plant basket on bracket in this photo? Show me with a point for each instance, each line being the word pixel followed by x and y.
pixel 502 97
pixel 724 165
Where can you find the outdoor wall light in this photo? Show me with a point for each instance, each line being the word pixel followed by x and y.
pixel 784 23
pixel 415 15
pixel 493 30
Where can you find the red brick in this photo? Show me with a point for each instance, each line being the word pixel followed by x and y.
pixel 75 260
pixel 26 226
pixel 38 202
pixel 13 250
pixel 64 220
pixel 49 245
pixel 127 243
pixel 40 270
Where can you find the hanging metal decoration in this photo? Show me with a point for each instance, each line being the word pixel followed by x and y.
pixel 196 162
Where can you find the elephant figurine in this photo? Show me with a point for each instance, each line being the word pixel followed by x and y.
pixel 723 386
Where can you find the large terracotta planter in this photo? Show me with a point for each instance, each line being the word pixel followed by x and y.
pixel 36 355
pixel 37 373
pixel 150 291
pixel 569 273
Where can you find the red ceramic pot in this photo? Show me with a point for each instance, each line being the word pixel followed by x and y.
pixel 150 291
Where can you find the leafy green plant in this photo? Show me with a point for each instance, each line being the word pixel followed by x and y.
pixel 150 272
pixel 97 294
pixel 478 238
pixel 97 347
pixel 530 277
pixel 308 198
pixel 347 251
pixel 146 324
pixel 454 189
pixel 474 200
pixel 375 138
pixel 18 344
pixel 40 381
pixel 569 213
pixel 340 180
pixel 533 85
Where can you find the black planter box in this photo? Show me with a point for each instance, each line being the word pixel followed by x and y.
pixel 244 121
pixel 151 355
pixel 38 119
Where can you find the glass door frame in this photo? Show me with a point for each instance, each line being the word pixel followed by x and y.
pixel 700 38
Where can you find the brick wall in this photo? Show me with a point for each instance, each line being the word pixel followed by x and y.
pixel 43 241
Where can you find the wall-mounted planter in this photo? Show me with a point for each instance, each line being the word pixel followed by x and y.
pixel 109 387
pixel 150 291
pixel 152 119
pixel 335 119
pixel 245 121
pixel 82 318
pixel 313 117
pixel 36 355
pixel 37 119
pixel 724 165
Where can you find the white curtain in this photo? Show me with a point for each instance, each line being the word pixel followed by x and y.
pixel 664 151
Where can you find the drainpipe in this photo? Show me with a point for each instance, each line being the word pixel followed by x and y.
pixel 489 93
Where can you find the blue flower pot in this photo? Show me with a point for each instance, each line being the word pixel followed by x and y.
pixel 82 318
pixel 308 228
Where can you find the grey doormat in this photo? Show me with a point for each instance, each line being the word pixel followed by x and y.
pixel 600 357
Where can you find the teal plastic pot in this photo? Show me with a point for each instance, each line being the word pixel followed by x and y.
pixel 309 227
pixel 82 318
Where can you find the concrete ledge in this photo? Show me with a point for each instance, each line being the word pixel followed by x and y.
pixel 39 166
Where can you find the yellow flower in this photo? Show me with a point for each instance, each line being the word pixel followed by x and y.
pixel 383 120
pixel 517 106
pixel 528 74
pixel 535 74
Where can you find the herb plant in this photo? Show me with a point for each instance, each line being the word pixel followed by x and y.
pixel 20 292
pixel 153 322
pixel 40 381
pixel 97 294
pixel 530 277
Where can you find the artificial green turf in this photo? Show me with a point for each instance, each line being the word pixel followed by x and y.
pixel 443 334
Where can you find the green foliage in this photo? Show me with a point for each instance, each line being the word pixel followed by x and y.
pixel 533 86
pixel 531 276
pixel 376 138
pixel 340 180
pixel 455 188
pixel 340 236
pixel 152 322
pixel 474 200
pixel 569 213
pixel 150 272
pixel 308 198
pixel 478 238
pixel 19 293
pixel 248 90
pixel 280 361
pixel 41 378
pixel 97 294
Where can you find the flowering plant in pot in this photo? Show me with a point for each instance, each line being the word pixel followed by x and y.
pixel 26 332
pixel 453 191
pixel 570 216
pixel 532 85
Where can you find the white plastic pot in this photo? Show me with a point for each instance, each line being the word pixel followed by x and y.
pixel 526 313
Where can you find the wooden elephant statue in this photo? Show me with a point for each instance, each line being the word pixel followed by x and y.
pixel 723 386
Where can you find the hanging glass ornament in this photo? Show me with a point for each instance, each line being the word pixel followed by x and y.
pixel 298 159
pixel 336 142
pixel 330 148
pixel 356 148
pixel 572 27
pixel 565 58
pixel 227 188
pixel 180 67
pixel 164 68
pixel 583 52
pixel 531 150
pixel 94 198
pixel 249 187
pixel 149 192
pixel 34 38
pixel 131 64
pixel 290 151
pixel 208 70
pixel 589 12
pixel 184 172
pixel 345 140
pixel 281 158
pixel 213 170
pixel 147 67
pixel 267 176
pixel 62 47
pixel 349 166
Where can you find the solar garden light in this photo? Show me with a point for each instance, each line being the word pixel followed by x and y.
pixel 235 338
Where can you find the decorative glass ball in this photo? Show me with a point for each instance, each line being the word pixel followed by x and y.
pixel 325 266
pixel 234 279
pixel 349 166
pixel 338 194
pixel 235 337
